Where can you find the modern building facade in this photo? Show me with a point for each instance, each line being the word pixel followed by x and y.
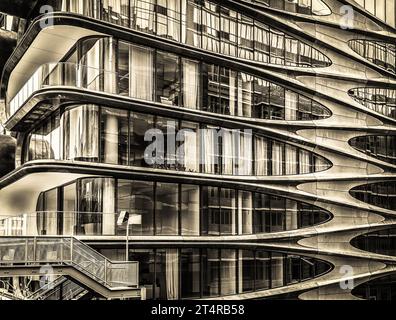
pixel 194 149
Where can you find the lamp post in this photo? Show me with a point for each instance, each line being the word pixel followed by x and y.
pixel 124 218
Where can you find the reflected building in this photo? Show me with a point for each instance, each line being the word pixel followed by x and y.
pixel 188 149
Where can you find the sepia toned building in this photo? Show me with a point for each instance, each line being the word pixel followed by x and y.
pixel 194 149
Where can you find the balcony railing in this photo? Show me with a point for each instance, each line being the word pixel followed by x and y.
pixel 65 223
pixel 67 251
pixel 70 75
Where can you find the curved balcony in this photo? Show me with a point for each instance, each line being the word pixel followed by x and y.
pixel 382 54
pixel 204 24
pixel 308 7
pixel 227 92
pixel 380 242
pixel 100 134
pixel 379 147
pixel 382 288
pixel 381 194
pixel 380 100
pixel 154 209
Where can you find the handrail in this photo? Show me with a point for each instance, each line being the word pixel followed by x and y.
pixel 68 251
pixel 69 290
pixel 59 74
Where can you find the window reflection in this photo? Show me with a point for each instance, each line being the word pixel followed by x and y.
pixel 380 147
pixel 90 206
pixel 210 26
pixel 126 138
pixel 382 194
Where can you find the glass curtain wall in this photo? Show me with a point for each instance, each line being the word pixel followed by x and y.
pixel 91 206
pixel 186 273
pixel 101 134
pixel 205 25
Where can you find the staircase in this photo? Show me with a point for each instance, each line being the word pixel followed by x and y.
pixel 80 265
pixel 61 288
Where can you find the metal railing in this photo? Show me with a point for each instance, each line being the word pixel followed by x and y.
pixel 67 251
pixel 59 289
pixel 73 223
pixel 66 74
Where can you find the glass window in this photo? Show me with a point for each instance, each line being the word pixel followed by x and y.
pixel 143 14
pixel 305 165
pixel 123 68
pixel 190 273
pixel 141 71
pixel 277 103
pixel 248 270
pixel 210 149
pixel 168 19
pixel 166 158
pixel 262 42
pixel 146 260
pixel 277 49
pixel 245 203
pixel 227 212
pixel 81 129
pixel 293 269
pixel 192 23
pixel 291 159
pixel 228 31
pixel 139 124
pixel 115 11
pixel 188 153
pixel 168 78
pixel 261 156
pixel 137 197
pixel 114 128
pixel 245 38
pixel 190 210
pixel 69 208
pixel 96 199
pixel 211 272
pixel 228 91
pixel 167 209
pixel 277 275
pixel 263 269
pixel 278 151
pixel 167 274
pixel 245 95
pixel 191 84
pixel 261 218
pixel 261 108
pixel 228 272
pixel 210 223
pixel 277 214
pixel 210 27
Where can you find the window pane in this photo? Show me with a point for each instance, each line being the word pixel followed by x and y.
pixel 190 210
pixel 191 84
pixel 139 124
pixel 167 209
pixel 141 73
pixel 114 136
pixel 188 153
pixel 190 273
pixel 247 257
pixel 262 270
pixel 210 211
pixel 168 78
pixel 137 197
pixel 210 270
pixel 227 211
pixel 228 272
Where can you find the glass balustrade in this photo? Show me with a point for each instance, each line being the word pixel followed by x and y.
pixel 69 252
